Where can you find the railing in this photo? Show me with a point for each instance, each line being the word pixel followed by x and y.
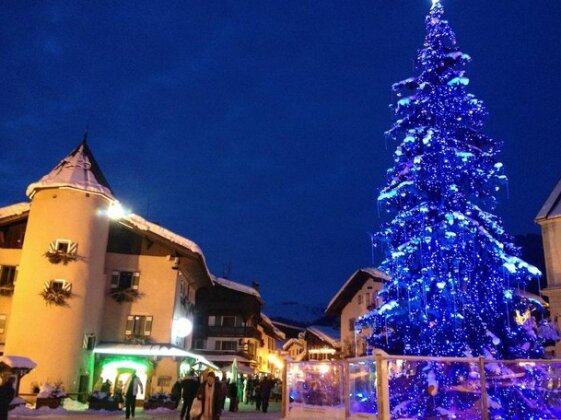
pixel 386 387
pixel 215 331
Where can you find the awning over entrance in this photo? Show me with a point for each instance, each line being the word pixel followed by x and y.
pixel 161 350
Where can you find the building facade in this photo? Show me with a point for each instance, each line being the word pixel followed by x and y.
pixel 90 293
pixel 357 297
pixel 549 219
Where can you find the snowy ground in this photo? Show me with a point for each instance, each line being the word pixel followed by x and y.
pixel 246 412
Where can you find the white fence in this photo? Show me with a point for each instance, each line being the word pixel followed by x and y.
pixel 388 387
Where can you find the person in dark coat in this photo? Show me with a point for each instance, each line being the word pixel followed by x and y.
pixel 189 388
pixel 210 395
pixel 266 387
pixel 133 388
pixel 176 392
pixel 257 393
pixel 233 395
pixel 7 394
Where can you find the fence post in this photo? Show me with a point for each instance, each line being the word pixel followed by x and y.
pixel 346 388
pixel 382 386
pixel 484 400
pixel 285 395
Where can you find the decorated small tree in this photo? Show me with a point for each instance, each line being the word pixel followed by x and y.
pixel 456 275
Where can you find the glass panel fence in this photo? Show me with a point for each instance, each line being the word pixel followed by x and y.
pixel 524 390
pixel 315 390
pixel 434 389
pixel 362 389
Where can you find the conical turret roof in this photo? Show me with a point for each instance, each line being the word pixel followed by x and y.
pixel 79 170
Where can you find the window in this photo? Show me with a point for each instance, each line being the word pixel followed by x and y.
pixel 226 345
pixel 59 285
pixel 2 324
pixel 11 236
pixel 228 321
pixel 352 324
pixel 125 280
pixel 7 276
pixel 211 321
pixel 88 342
pixel 199 343
pixel 62 245
pixel 138 326
pixel 360 299
pixel 164 381
pixel 367 299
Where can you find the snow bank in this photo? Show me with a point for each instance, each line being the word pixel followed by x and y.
pixel 18 362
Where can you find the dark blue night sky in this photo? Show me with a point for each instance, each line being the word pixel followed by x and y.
pixel 257 128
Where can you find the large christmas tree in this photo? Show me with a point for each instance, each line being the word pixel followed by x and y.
pixel 455 273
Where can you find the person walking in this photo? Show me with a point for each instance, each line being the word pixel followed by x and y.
pixel 7 394
pixel 223 392
pixel 134 385
pixel 266 387
pixel 257 391
pixel 189 387
pixel 233 394
pixel 210 396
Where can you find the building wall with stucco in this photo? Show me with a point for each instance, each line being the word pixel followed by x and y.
pixel 360 304
pixel 10 258
pixel 52 335
pixel 551 234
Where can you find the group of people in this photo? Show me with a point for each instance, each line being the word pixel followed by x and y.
pixel 213 392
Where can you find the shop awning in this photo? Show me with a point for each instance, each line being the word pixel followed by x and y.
pixel 161 350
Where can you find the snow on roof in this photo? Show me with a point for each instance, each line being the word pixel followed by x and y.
pixel 236 286
pixel 533 297
pixel 142 224
pixel 372 272
pixel 552 206
pixel 14 210
pixel 327 334
pixel 18 362
pixel 284 324
pixel 292 341
pixel 79 170
pixel 270 324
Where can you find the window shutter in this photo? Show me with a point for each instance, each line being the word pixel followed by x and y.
pixel 52 247
pixel 2 323
pixel 129 326
pixel 115 280
pixel 135 280
pixel 148 326
pixel 72 248
pixel 211 320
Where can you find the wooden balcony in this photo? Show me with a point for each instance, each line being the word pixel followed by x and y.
pixel 217 331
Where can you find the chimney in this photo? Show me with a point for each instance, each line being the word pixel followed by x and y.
pixel 255 285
